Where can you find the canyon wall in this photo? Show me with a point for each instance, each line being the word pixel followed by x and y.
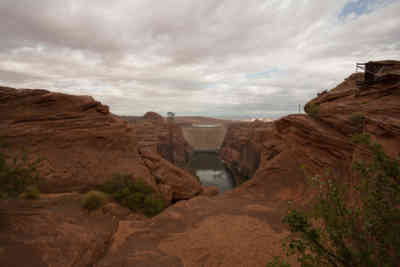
pixel 293 148
pixel 81 144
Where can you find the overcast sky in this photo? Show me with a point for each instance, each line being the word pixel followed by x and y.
pixel 203 57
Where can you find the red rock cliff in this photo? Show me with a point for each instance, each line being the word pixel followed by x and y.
pixel 295 146
pixel 82 144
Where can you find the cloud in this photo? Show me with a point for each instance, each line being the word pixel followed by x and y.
pixel 216 58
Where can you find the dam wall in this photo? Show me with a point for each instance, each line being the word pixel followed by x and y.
pixel 204 137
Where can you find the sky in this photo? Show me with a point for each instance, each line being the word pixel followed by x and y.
pixel 227 59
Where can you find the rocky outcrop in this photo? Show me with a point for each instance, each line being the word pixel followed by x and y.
pixel 173 146
pixel 210 191
pixel 152 116
pixel 297 146
pixel 167 138
pixel 173 182
pixel 373 109
pixel 240 152
pixel 82 144
pixel 54 231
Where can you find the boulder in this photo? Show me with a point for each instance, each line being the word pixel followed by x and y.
pixel 210 191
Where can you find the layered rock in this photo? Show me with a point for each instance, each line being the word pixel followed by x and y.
pixel 54 231
pixel 298 146
pixel 82 144
pixel 240 152
pixel 243 227
pixel 167 138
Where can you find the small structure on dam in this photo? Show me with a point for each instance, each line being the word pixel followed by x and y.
pixel 207 138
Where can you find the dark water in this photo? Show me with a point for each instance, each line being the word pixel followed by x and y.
pixel 211 171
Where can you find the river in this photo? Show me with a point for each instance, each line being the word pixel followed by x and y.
pixel 211 171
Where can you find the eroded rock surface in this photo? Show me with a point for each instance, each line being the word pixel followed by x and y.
pixel 82 144
pixel 53 231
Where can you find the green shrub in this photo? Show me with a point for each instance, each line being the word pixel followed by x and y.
pixel 278 262
pixel 361 139
pixel 362 232
pixel 140 186
pixel 153 205
pixel 120 182
pixel 93 200
pixel 115 184
pixel 31 192
pixel 134 194
pixel 16 174
pixel 312 110
pixel 134 201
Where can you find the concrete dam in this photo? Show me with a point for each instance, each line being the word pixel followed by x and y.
pixel 206 140
pixel 205 137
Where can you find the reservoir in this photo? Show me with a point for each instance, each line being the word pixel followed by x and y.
pixel 211 171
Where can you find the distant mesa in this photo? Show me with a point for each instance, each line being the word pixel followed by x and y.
pixel 153 116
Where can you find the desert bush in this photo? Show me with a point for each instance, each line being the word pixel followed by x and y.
pixel 134 194
pixel 16 174
pixel 134 201
pixel 93 200
pixel 153 205
pixel 119 182
pixel 115 184
pixel 362 232
pixel 312 110
pixel 31 192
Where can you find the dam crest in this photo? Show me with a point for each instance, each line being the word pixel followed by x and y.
pixel 205 137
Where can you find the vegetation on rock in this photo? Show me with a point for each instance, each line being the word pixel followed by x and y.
pixel 93 200
pixel 17 175
pixel 134 194
pixel 346 226
pixel 31 192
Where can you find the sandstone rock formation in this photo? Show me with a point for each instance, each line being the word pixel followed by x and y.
pixel 152 116
pixel 242 227
pixel 210 191
pixel 55 231
pixel 82 144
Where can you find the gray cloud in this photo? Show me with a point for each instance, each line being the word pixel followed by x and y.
pixel 218 58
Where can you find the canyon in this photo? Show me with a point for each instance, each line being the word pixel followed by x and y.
pixel 82 144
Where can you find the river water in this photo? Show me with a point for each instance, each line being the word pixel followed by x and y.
pixel 211 171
